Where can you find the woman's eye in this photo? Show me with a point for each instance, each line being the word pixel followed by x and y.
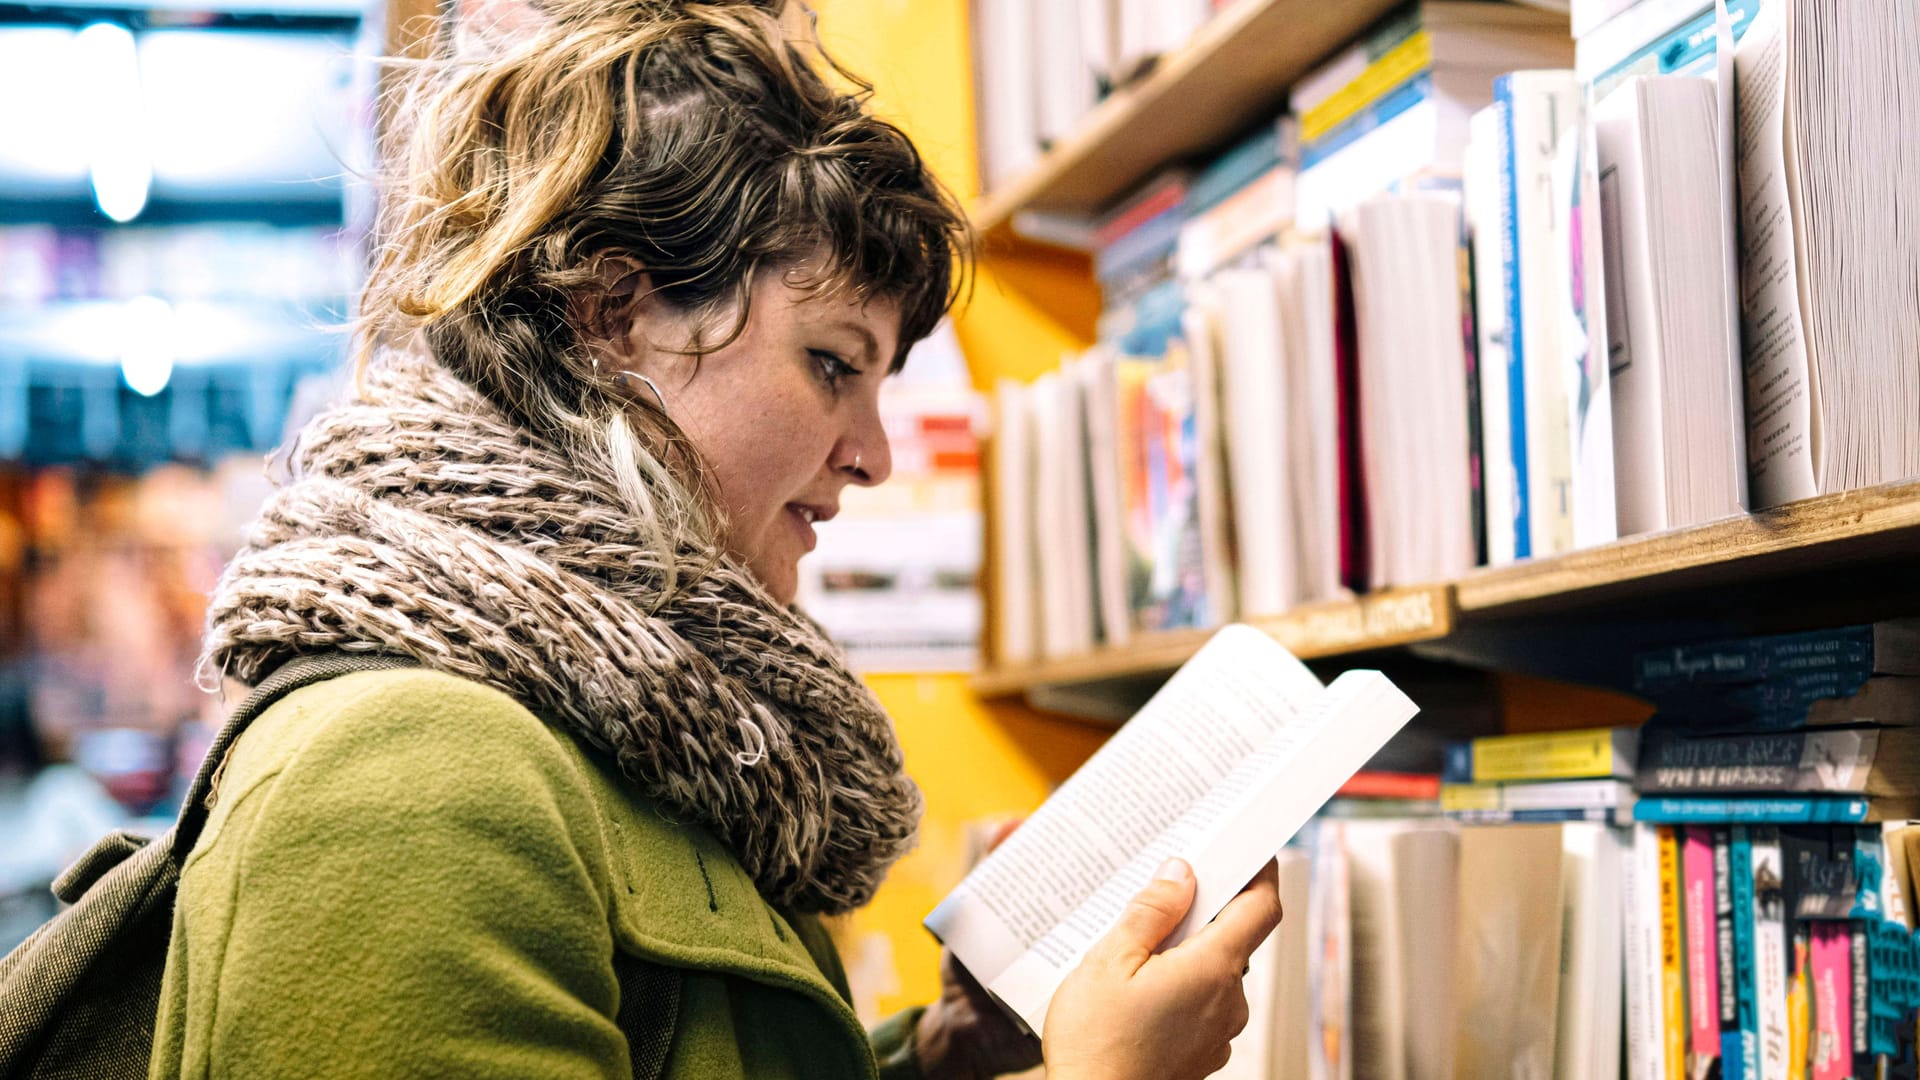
pixel 832 367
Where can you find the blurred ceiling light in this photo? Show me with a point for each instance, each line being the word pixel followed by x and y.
pixel 149 344
pixel 113 110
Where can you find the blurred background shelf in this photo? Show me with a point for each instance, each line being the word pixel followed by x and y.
pixel 1233 72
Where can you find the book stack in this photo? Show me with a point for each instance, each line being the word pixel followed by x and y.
pixel 1391 109
pixel 1581 775
pixel 1764 929
pixel 1821 726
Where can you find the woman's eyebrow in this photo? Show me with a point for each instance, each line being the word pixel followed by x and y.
pixel 868 342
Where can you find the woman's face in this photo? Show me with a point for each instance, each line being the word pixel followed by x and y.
pixel 784 417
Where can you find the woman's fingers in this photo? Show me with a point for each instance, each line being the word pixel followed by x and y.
pixel 1148 918
pixel 1247 919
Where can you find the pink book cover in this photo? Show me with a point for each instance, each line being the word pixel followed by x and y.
pixel 1832 1001
pixel 1703 950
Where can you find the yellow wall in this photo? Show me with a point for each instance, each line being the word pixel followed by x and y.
pixel 974 760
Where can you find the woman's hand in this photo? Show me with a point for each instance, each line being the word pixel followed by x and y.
pixel 1126 1012
pixel 966 1035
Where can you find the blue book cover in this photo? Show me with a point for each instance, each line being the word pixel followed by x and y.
pixel 1236 167
pixel 1456 763
pixel 1740 1049
pixel 1516 341
pixel 1390 105
pixel 1751 810
pixel 1723 916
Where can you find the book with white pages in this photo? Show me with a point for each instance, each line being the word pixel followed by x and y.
pixel 1095 373
pixel 1828 107
pixel 1015 632
pixel 1678 407
pixel 1256 411
pixel 1480 200
pixel 1305 272
pixel 1220 768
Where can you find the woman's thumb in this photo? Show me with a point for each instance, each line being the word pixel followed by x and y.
pixel 1150 916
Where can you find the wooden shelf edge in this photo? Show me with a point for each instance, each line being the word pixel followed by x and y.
pixel 1295 33
pixel 1834 525
pixel 1382 620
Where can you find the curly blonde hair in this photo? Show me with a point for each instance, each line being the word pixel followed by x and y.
pixel 696 140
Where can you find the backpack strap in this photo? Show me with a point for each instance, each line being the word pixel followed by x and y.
pixel 299 672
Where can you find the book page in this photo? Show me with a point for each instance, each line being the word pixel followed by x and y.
pixel 1780 416
pixel 1228 834
pixel 1209 718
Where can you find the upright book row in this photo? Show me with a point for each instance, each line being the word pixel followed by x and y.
pixel 1464 305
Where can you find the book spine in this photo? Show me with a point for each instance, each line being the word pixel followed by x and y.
pixel 1769 956
pixel 1566 755
pixel 1832 984
pixel 1672 965
pixel 1476 449
pixel 1753 810
pixel 1239 166
pixel 1833 761
pixel 1820 882
pixel 1375 116
pixel 1400 63
pixel 1870 872
pixel 1369 784
pixel 1728 1044
pixel 1169 195
pixel 1842 651
pixel 1799 999
pixel 1355 574
pixel 1516 348
pixel 1154 241
pixel 1742 1059
pixel 1456 763
pixel 1646 1057
pixel 1858 970
pixel 1703 976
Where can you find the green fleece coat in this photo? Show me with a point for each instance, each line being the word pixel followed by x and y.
pixel 409 874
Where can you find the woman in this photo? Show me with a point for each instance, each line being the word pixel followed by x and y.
pixel 644 273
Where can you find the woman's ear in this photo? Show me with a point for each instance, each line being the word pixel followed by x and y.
pixel 609 306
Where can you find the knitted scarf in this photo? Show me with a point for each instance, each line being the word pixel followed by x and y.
pixel 422 522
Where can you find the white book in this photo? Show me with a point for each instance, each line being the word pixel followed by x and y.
pixel 1290 1024
pixel 1580 297
pixel 1065 89
pixel 1587 1038
pixel 1402 881
pixel 1257 411
pixel 1770 956
pixel 1330 938
pixel 1201 327
pixel 1232 756
pixel 1677 405
pixel 1831 319
pixel 1480 192
pixel 1538 108
pixel 1006 89
pixel 1013 528
pixel 1051 399
pixel 1645 999
pixel 1100 393
pixel 1405 259
pixel 1306 299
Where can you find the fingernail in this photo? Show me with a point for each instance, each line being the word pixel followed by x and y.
pixel 1172 870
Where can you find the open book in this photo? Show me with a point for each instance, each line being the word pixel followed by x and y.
pixel 1220 768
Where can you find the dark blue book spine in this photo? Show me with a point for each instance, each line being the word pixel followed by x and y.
pixel 1751 761
pixel 1845 650
pixel 1456 764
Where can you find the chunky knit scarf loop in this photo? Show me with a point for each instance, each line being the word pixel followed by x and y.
pixel 421 522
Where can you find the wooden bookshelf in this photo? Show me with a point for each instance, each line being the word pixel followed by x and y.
pixel 1836 530
pixel 1832 537
pixel 1234 71
pixel 1382 620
